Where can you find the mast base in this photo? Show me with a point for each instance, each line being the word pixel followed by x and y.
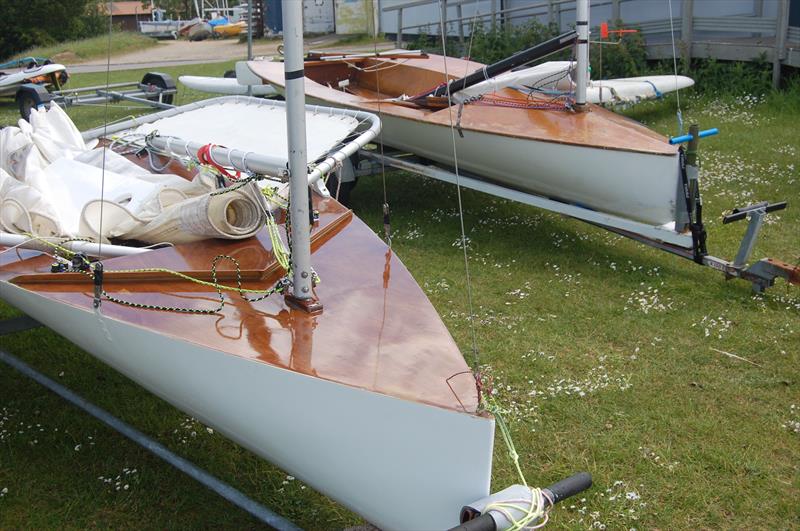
pixel 311 306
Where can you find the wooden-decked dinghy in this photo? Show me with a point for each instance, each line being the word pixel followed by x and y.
pixel 369 400
pixel 596 159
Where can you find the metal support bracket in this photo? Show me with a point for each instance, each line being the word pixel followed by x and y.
pixel 689 245
pixel 763 273
pixel 750 237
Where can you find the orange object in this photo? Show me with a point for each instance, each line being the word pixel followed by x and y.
pixel 605 32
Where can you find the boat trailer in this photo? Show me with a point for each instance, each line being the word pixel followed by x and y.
pixel 156 90
pixel 689 242
pixel 229 493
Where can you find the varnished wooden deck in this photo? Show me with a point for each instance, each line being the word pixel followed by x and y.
pixel 598 128
pixel 378 331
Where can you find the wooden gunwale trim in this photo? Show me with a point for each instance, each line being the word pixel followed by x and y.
pixel 273 268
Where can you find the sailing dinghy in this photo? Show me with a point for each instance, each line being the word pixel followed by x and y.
pixel 529 142
pixel 342 373
pixel 369 401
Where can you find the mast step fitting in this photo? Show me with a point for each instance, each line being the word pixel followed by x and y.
pixel 310 306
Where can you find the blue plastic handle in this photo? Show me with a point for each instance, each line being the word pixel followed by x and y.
pixel 685 138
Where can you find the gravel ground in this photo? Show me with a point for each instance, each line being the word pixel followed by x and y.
pixel 173 53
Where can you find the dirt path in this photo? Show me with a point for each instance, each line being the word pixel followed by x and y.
pixel 183 52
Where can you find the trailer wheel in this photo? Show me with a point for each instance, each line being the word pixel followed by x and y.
pixel 30 96
pixel 162 81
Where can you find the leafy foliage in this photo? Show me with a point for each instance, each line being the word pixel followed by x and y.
pixel 498 42
pixel 174 8
pixel 41 22
pixel 623 57
pixel 719 77
pixel 489 43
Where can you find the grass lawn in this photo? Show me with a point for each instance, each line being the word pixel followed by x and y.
pixel 604 352
pixel 84 49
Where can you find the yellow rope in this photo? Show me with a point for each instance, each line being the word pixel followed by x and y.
pixel 535 509
pixel 178 274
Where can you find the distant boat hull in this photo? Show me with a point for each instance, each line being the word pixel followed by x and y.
pixel 40 74
pixel 160 29
pixel 230 30
pixel 200 31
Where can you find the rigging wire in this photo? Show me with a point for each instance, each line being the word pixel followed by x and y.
pixel 473 332
pixel 387 226
pixel 105 129
pixel 534 510
pixel 675 69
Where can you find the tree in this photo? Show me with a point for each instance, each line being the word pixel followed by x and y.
pixel 41 22
pixel 175 8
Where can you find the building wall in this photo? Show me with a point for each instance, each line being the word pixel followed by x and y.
pixel 631 11
pixel 129 22
pixel 317 16
pixel 354 17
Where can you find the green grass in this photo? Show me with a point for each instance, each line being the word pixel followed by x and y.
pixel 599 371
pixel 84 49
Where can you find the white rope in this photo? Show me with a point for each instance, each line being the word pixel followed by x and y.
pixel 377 67
pixel 535 513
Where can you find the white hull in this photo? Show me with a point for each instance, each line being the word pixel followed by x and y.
pixel 624 183
pixel 160 28
pixel 225 85
pixel 400 464
pixel 629 184
pixel 10 83
pixel 632 90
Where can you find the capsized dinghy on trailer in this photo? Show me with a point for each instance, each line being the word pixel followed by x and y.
pixel 46 75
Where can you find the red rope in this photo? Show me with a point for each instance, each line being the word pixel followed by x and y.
pixel 204 156
pixel 499 101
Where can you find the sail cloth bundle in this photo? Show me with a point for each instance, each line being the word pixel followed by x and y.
pixel 557 77
pixel 53 184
